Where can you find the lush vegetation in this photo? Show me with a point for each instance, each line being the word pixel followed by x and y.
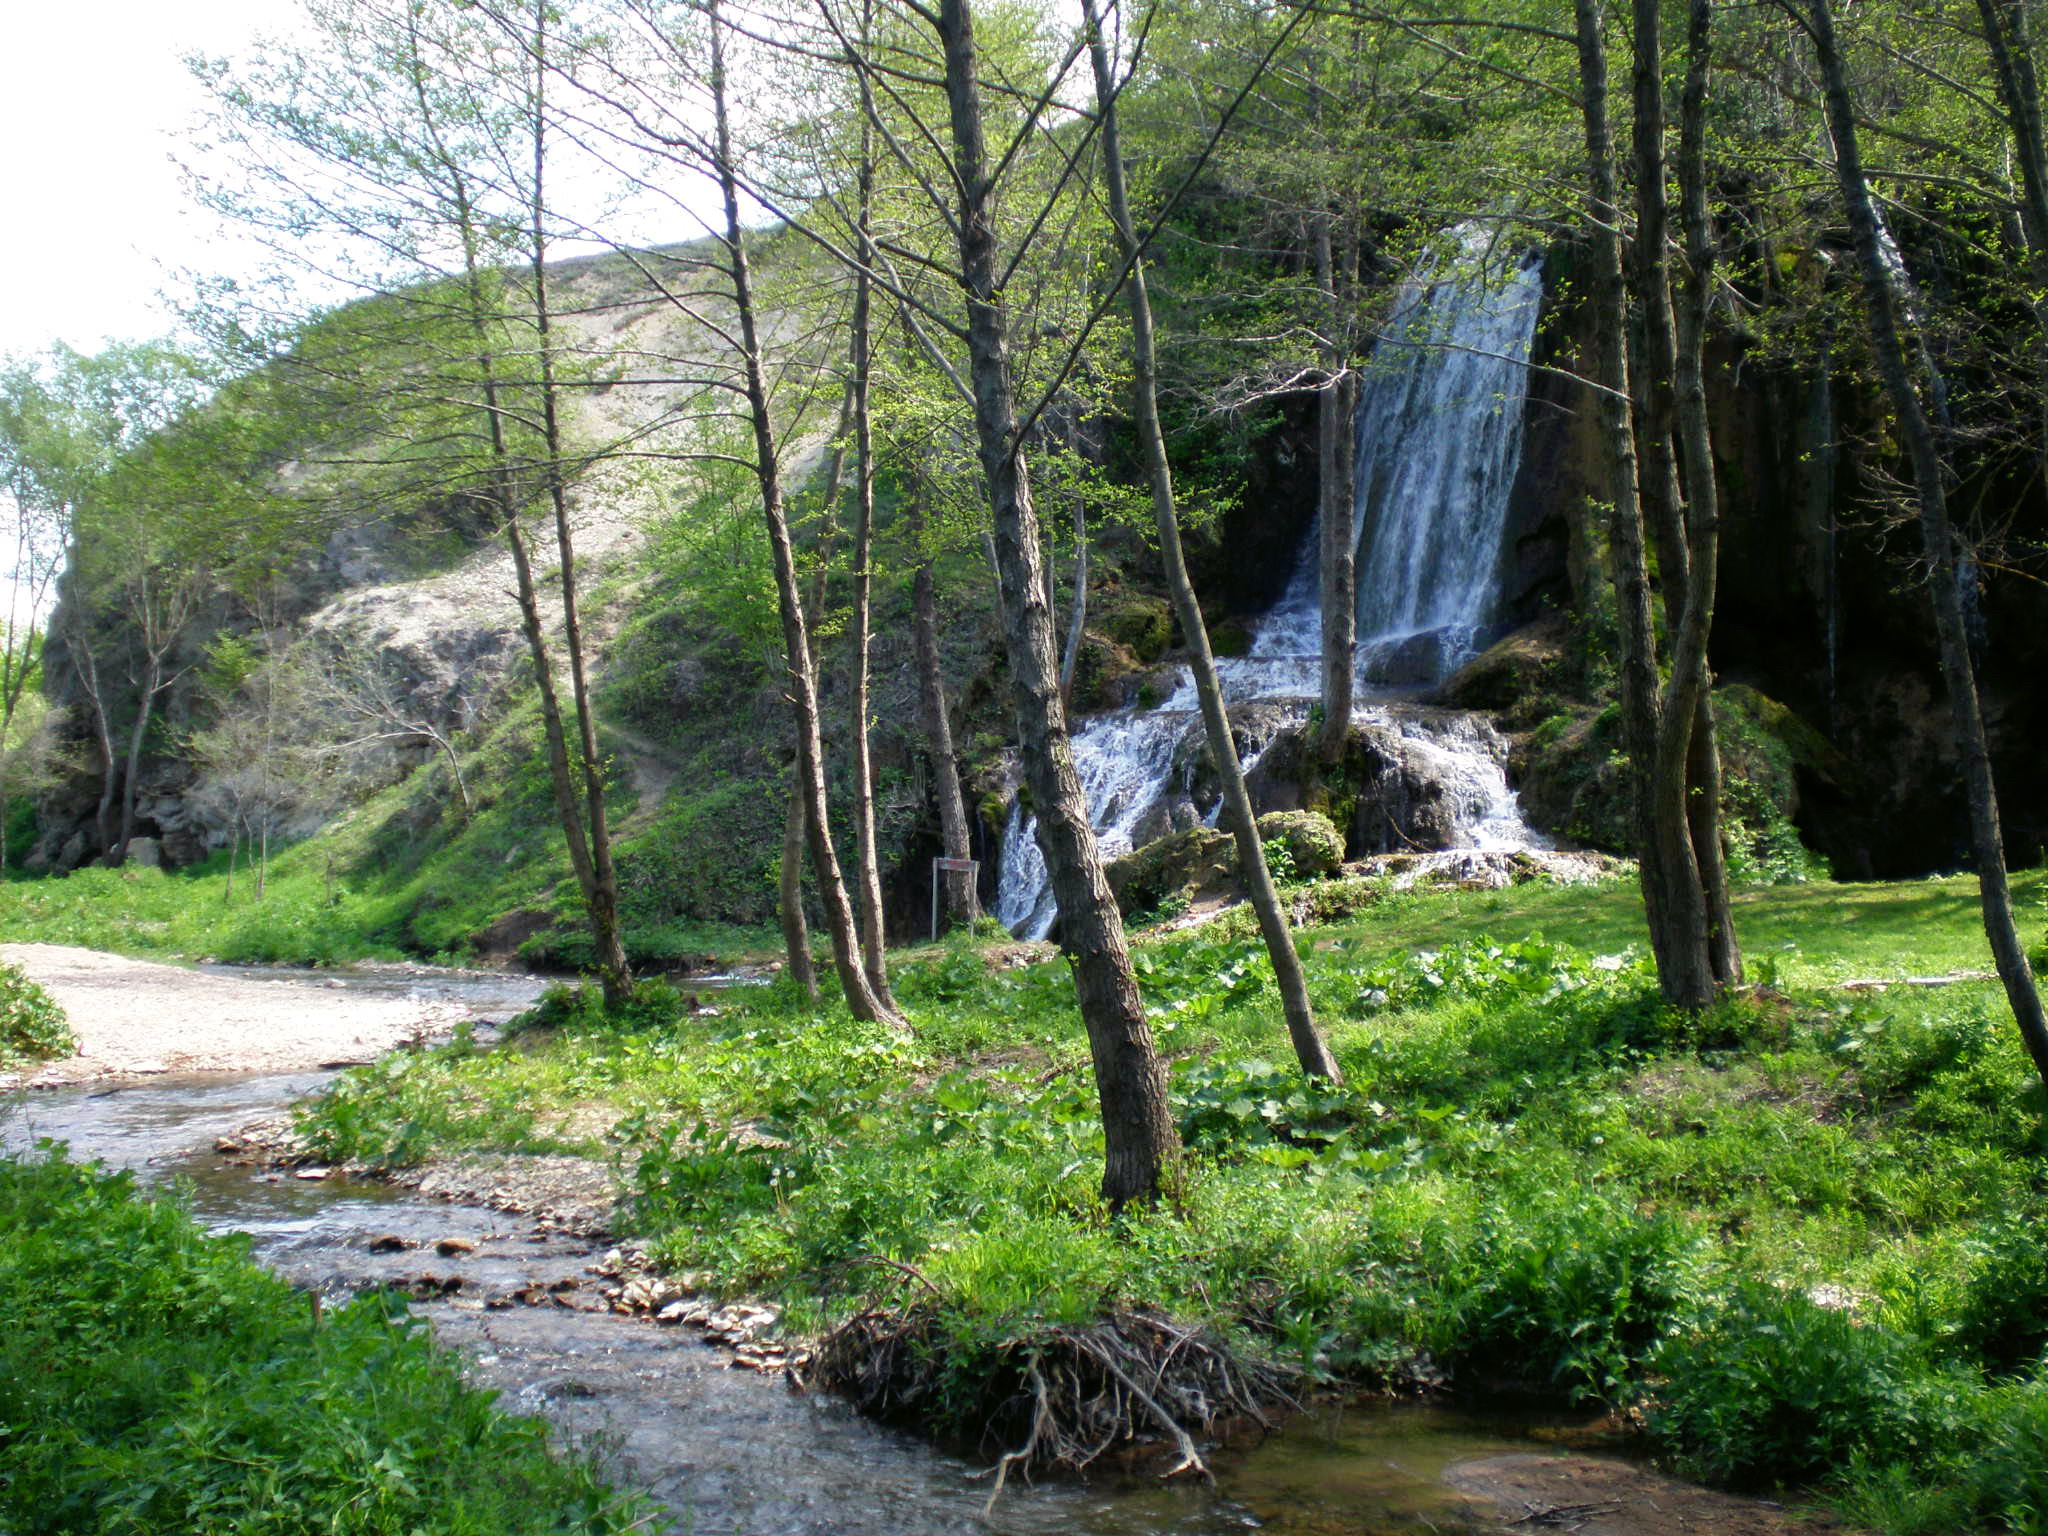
pixel 154 1379
pixel 402 876
pixel 1795 1234
pixel 32 1025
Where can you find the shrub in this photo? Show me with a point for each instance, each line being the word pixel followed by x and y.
pixel 2004 1321
pixel 32 1026
pixel 1577 1286
pixel 1311 842
pixel 1776 1388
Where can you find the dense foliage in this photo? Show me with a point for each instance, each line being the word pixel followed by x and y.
pixel 31 1023
pixel 155 1380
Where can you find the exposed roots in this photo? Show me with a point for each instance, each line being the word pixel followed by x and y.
pixel 1061 1396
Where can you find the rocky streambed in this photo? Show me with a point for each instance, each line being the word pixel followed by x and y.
pixel 687 1396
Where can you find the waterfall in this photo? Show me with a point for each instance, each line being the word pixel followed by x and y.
pixel 1440 434
pixel 1439 428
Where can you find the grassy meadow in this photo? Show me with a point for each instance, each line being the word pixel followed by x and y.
pixel 1794 1240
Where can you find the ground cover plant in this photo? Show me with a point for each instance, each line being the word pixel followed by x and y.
pixel 32 1025
pixel 1793 1237
pixel 155 1379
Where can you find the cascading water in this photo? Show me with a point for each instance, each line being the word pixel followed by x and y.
pixel 1440 439
pixel 1439 442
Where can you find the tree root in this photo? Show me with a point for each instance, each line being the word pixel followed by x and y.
pixel 1061 1395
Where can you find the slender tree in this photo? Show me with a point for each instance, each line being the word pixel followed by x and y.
pixel 1886 308
pixel 1141 1144
pixel 873 939
pixel 846 952
pixel 1334 497
pixel 1309 1047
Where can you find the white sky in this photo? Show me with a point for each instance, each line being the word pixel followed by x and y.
pixel 92 99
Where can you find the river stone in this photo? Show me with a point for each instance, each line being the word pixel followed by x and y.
pixel 454 1247
pixel 387 1242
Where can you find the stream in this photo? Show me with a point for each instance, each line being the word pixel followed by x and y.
pixel 730 1451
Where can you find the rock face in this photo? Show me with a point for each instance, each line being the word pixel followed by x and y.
pixel 1388 794
pixel 1819 605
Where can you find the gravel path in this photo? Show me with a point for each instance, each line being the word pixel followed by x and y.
pixel 136 1018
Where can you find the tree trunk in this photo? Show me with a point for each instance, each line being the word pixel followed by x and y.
pixel 1334 501
pixel 102 740
pixel 1077 608
pixel 873 940
pixel 1141 1143
pixel 803 677
pixel 1703 510
pixel 147 688
pixel 601 895
pixel 1310 1049
pixel 796 930
pixel 1938 539
pixel 1637 633
pixel 1685 970
pixel 938 730
pixel 560 778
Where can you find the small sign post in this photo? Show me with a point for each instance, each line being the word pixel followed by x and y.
pixel 951 867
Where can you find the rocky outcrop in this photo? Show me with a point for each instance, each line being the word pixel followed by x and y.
pixel 1391 792
pixel 1200 861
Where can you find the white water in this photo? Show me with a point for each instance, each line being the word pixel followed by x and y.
pixel 1439 427
pixel 1439 442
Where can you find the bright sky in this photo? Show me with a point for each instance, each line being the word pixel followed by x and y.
pixel 93 98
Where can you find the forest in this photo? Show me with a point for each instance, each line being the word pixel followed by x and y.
pixel 1187 712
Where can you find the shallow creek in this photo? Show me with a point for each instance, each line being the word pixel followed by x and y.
pixel 730 1451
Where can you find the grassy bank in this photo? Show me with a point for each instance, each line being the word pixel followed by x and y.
pixel 315 913
pixel 1796 1237
pixel 154 1379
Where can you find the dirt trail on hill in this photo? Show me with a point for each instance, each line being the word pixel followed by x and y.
pixel 137 1018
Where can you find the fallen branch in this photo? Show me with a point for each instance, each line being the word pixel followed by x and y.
pixel 901 1268
pixel 1041 1419
pixel 1879 983
pixel 1563 1517
pixel 1190 1458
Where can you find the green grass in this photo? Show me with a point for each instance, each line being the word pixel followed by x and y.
pixel 155 1380
pixel 1805 933
pixel 1796 1233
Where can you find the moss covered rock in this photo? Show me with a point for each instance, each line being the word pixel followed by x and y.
pixel 1313 843
pixel 1104 673
pixel 1515 674
pixel 1228 637
pixel 1573 779
pixel 1198 862
pixel 1141 625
